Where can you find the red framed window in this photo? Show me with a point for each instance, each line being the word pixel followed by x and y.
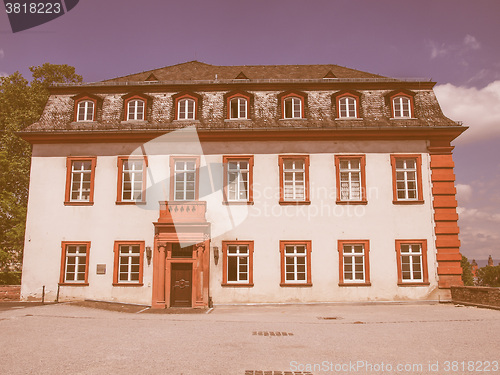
pixel 136 107
pixel 407 178
pixel 347 106
pixel 237 263
pixel 186 106
pixel 354 262
pixel 295 263
pixel 132 179
pixel 401 105
pixel 350 179
pixel 184 178
pixel 294 179
pixel 412 262
pixel 238 107
pixel 80 176
pixel 238 179
pixel 292 106
pixel 85 110
pixel 75 263
pixel 129 263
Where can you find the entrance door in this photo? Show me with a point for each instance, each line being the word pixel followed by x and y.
pixel 181 284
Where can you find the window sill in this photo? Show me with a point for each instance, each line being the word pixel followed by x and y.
pixel 295 118
pixel 296 285
pixel 128 284
pixel 237 119
pixel 237 285
pixel 78 203
pixel 83 122
pixel 294 203
pixel 403 118
pixel 414 284
pixel 73 284
pixel 419 201
pixel 134 122
pixel 129 203
pixel 237 203
pixel 349 118
pixel 355 284
pixel 352 202
pixel 186 120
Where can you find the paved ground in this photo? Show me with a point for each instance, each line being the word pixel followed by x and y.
pixel 292 339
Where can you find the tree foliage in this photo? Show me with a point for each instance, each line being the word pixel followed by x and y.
pixel 467 277
pixel 489 276
pixel 21 104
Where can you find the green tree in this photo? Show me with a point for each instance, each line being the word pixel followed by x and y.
pixel 467 277
pixel 489 276
pixel 21 104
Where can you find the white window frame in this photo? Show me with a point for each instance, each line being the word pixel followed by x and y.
pixel 136 177
pixel 234 184
pixel 294 183
pixel 136 109
pixel 295 104
pixel 183 112
pixel 126 260
pixel 80 258
pixel 348 107
pixel 350 172
pixel 242 256
pixel 80 188
pixel 241 108
pixel 295 256
pixel 185 171
pixel 410 254
pixel 406 180
pixel 86 110
pixel 352 256
pixel 401 102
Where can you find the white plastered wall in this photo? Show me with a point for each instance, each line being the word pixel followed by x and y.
pixel 266 222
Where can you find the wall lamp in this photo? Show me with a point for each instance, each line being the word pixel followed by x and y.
pixel 216 254
pixel 148 254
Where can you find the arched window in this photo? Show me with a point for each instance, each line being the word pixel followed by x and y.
pixel 135 109
pixel 186 109
pixel 401 106
pixel 238 108
pixel 292 107
pixel 85 110
pixel 347 107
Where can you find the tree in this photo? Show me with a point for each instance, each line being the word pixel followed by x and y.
pixel 489 276
pixel 21 104
pixel 467 277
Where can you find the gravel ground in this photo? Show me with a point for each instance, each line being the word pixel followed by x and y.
pixel 284 339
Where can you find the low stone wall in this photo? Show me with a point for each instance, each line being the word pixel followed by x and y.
pixel 476 295
pixel 10 292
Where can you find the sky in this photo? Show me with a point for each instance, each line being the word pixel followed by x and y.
pixel 453 42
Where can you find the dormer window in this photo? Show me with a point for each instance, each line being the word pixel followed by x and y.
pixel 293 104
pixel 135 110
pixel 293 107
pixel 136 107
pixel 401 106
pixel 186 109
pixel 347 104
pixel 347 107
pixel 238 108
pixel 401 103
pixel 85 110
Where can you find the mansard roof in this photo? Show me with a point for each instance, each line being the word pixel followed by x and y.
pixel 199 71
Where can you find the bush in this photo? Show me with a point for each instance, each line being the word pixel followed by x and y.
pixel 10 278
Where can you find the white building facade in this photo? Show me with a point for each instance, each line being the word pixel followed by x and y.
pixel 196 184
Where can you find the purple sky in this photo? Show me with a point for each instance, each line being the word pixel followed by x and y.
pixel 454 42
